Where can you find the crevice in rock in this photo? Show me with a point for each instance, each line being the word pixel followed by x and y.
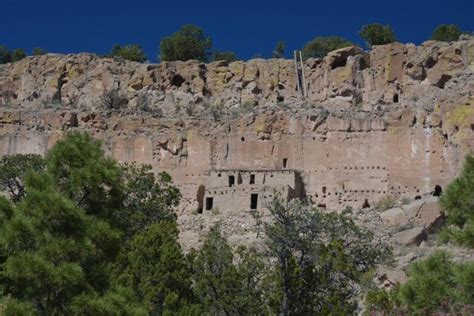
pixel 442 81
pixel 177 80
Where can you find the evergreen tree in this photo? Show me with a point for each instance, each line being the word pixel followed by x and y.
pixel 147 199
pixel 13 170
pixel 437 284
pixel 446 33
pixel 223 287
pixel 37 51
pixel 321 46
pixel 279 51
pixel 320 257
pixel 227 56
pixel 377 34
pixel 155 268
pixel 18 54
pixel 187 43
pixel 5 55
pixel 76 219
pixel 132 52
pixel 458 203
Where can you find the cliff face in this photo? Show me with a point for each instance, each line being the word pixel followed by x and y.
pixel 394 121
pixel 387 74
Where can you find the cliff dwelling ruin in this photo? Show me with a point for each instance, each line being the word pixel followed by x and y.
pixel 395 121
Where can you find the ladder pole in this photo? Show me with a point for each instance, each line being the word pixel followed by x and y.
pixel 305 88
pixel 297 72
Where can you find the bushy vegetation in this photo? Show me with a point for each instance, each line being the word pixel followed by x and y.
pixel 189 42
pixel 458 203
pixel 60 240
pixel 279 51
pixel 321 46
pixel 446 33
pixel 320 259
pixel 89 236
pixel 224 55
pixel 439 284
pixel 11 56
pixel 132 52
pixel 37 51
pixel 385 202
pixel 13 170
pixel 436 284
pixel 82 234
pixel 377 34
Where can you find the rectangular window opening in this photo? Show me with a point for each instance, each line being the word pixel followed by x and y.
pixel 285 162
pixel 231 181
pixel 252 179
pixel 209 203
pixel 253 201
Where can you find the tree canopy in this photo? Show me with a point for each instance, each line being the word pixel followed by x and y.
pixel 458 203
pixel 59 242
pixel 224 55
pixel 377 34
pixel 446 33
pixel 321 46
pixel 132 52
pixel 189 42
pixel 320 258
pixel 11 56
pixel 279 51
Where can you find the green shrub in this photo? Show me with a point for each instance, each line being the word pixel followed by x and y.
pixel 18 54
pixel 446 33
pixel 379 300
pixel 377 34
pixel 226 55
pixel 132 52
pixel 187 43
pixel 321 46
pixel 437 284
pixel 37 51
pixel 279 51
pixel 8 56
pixel 458 203
pixel 386 202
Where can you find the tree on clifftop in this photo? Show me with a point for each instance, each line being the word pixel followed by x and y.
pixel 446 33
pixel 321 46
pixel 225 55
pixel 187 43
pixel 279 51
pixel 377 34
pixel 131 52
pixel 9 56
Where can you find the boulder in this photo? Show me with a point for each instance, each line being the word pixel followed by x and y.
pixel 411 237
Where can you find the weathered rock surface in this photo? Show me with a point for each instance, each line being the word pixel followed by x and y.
pixel 388 74
pixel 396 121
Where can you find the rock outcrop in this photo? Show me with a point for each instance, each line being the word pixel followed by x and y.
pixel 395 121
pixel 391 73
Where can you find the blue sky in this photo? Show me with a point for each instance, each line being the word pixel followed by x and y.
pixel 246 27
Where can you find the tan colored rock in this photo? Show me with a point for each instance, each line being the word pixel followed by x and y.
pixel 411 237
pixel 395 217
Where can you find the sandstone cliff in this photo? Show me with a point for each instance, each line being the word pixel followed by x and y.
pixel 393 121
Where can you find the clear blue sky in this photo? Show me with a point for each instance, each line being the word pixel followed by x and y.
pixel 246 27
